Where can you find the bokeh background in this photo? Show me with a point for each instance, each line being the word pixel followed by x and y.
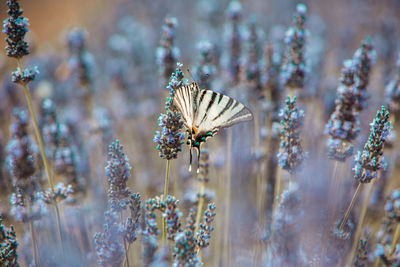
pixel 337 28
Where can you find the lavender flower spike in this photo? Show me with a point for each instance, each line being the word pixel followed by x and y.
pixel 294 70
pixel 344 123
pixel 16 26
pixel 371 160
pixel 170 139
pixel 167 53
pixel 291 153
pixel 364 60
pixel 117 172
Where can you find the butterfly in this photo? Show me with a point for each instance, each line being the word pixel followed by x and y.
pixel 205 112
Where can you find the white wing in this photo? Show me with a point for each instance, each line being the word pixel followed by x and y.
pixel 184 102
pixel 214 111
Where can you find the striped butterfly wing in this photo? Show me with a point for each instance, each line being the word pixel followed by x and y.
pixel 184 102
pixel 215 111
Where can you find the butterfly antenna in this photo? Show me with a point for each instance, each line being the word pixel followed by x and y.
pixel 188 70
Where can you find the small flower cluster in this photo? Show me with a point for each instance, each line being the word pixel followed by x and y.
pixel 8 246
pixel 191 219
pixel 254 71
pixel 21 212
pixel 104 124
pixel 344 123
pixel 150 217
pixel 81 60
pixel 16 26
pixel 362 254
pixel 108 243
pixel 206 228
pixel 150 246
pixel 294 70
pixel 172 216
pixel 206 69
pixel 364 58
pixel 386 233
pixel 186 240
pixel 234 40
pixel 393 92
pixel 49 127
pixel 371 160
pixel 60 192
pixel 167 53
pixel 66 160
pixel 392 208
pixel 132 223
pixel 117 172
pixel 383 252
pixel 185 250
pixel 285 241
pixel 291 153
pixel 24 77
pixel 170 139
pixel 21 150
pixel 108 246
pixel 60 149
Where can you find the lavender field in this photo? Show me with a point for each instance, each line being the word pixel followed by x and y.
pixel 200 133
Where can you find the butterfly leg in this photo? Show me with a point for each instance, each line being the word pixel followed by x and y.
pixel 198 160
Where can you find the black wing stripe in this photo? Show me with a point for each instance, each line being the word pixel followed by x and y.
pixel 202 96
pixel 220 98
pixel 212 100
pixel 228 105
pixel 234 115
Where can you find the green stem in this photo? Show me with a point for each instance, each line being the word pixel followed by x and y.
pixel 360 224
pixel 353 201
pixel 42 152
pixel 228 188
pixel 164 222
pixel 200 205
pixel 125 247
pixel 395 239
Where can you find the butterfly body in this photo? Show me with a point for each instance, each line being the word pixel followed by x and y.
pixel 205 112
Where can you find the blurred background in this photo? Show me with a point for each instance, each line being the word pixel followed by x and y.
pixel 127 93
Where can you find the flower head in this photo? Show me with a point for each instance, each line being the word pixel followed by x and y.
pixel 254 72
pixel 117 172
pixel 81 60
pixel 8 245
pixel 167 53
pixel 185 250
pixel 295 70
pixel 393 92
pixel 234 38
pixel 291 153
pixel 344 123
pixel 172 216
pixel 21 150
pixel 371 160
pixel 108 247
pixel 170 139
pixel 25 77
pixel 206 228
pixel 364 59
pixel 16 26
